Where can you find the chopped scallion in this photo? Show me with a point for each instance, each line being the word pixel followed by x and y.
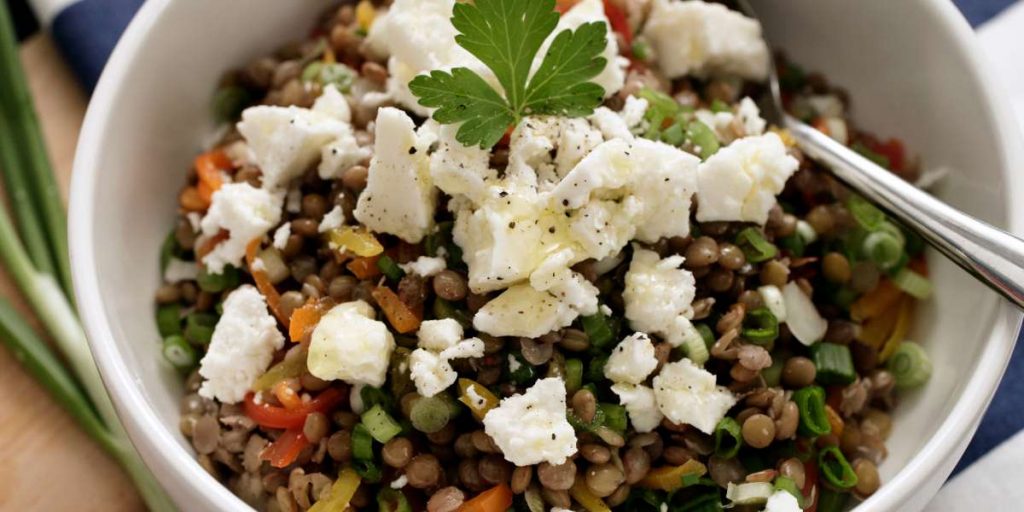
pixel 641 50
pixel 614 417
pixel 389 268
pixel 392 500
pixel 523 372
pixel 595 370
pixel 913 283
pixel 229 102
pixel 168 320
pixel 199 327
pixel 179 353
pixel 445 309
pixel 380 424
pixel 910 365
pixel 718 105
pixel 169 249
pixel 755 247
pixel 834 364
pixel 598 330
pixel 703 138
pixel 430 414
pixel 674 135
pixel 368 470
pixel 728 438
pixel 706 334
pixel 362 443
pixel 813 418
pixel 883 248
pixel 215 283
pixel 866 214
pixel 835 468
pixel 573 375
pixel 831 500
pixel 763 327
pixel 785 483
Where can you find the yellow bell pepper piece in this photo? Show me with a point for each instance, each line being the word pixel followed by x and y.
pixel 365 14
pixel 341 493
pixel 357 241
pixel 286 369
pixel 876 330
pixel 584 497
pixel 899 332
pixel 670 478
pixel 480 401
pixel 785 135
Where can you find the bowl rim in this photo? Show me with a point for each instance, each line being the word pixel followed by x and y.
pixel 187 483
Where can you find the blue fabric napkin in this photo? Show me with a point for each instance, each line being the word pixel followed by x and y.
pixel 87 30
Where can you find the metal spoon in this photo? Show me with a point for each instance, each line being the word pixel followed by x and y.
pixel 990 254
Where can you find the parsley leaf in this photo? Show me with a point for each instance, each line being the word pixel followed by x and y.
pixel 507 35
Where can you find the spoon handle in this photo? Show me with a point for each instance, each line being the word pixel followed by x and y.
pixel 993 256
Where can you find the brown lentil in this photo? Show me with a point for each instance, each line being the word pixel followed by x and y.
pixel 315 427
pixel 521 478
pixel 836 268
pixel 354 178
pixel 719 280
pixel 724 471
pixel 574 340
pixel 604 479
pixel 774 273
pixel 469 474
pixel 759 431
pixel 786 424
pixel 876 422
pixel 397 452
pixel 339 446
pixel 584 404
pixel 557 477
pixel 793 468
pixel 731 256
pixel 841 332
pixel 702 252
pixel 618 497
pixel 293 247
pixel 867 477
pixel 423 471
pixel 448 499
pixel 677 455
pixel 484 443
pixel 555 498
pixel 821 218
pixel 595 453
pixel 450 286
pixel 798 372
pixel 636 463
pixel 306 227
pixel 751 299
pixel 206 434
pixel 494 469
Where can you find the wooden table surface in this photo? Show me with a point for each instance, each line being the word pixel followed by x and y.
pixel 48 463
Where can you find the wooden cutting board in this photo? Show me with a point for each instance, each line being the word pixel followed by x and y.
pixel 48 464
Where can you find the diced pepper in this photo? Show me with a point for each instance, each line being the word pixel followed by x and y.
pixel 286 448
pixel 304 319
pixel 271 416
pixel 899 332
pixel 341 493
pixel 495 499
pixel 358 241
pixel 208 169
pixel 287 396
pixel 364 268
pixel 581 493
pixel 399 315
pixel 289 368
pixel 263 283
pixel 834 421
pixel 477 407
pixel 876 330
pixel 365 14
pixel 875 302
pixel 670 478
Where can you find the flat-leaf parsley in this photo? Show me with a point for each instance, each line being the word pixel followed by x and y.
pixel 506 36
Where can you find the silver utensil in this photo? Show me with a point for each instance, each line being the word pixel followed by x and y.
pixel 990 254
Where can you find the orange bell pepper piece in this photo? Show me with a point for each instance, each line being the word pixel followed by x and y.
pixel 263 283
pixel 875 302
pixel 495 499
pixel 400 315
pixel 208 168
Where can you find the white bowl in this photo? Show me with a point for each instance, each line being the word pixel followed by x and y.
pixel 911 68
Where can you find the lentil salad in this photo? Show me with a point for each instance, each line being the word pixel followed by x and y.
pixel 693 349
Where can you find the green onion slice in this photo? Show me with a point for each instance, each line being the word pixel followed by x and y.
pixel 392 500
pixel 573 375
pixel 866 214
pixel 179 353
pixel 834 364
pixel 389 268
pixel 168 319
pixel 913 283
pixel 910 365
pixel 429 414
pixel 703 138
pixel 614 417
pixel 764 327
pixel 362 443
pixel 835 469
pixel 215 283
pixel 813 419
pixel 598 329
pixel 728 438
pixel 199 327
pixel 785 483
pixel 380 424
pixel 755 247
pixel 884 247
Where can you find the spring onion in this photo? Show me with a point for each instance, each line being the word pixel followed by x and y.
pixel 641 50
pixel 785 483
pixel 764 327
pixel 323 73
pixel 883 248
pixel 794 244
pixel 772 375
pixel 368 470
pixel 595 423
pixel 813 418
pixel 696 346
pixel 598 330
pixel 429 414
pixel 867 215
pixel 199 327
pixel 675 135
pixel 362 443
pixel 706 334
pixel 614 417
pixel 392 500
pixel 229 102
pixel 595 370
pixel 835 469
pixel 215 283
pixel 41 271
pixel 718 105
pixel 755 247
pixel 913 283
pixel 520 371
pixel 168 319
pixel 661 107
pixel 372 396
pixel 702 138
pixel 728 438
pixel 169 249
pixel 380 424
pixel 389 268
pixel 749 493
pixel 179 353
pixel 834 364
pixel 832 501
pixel 445 309
pixel 573 375
pixel 910 365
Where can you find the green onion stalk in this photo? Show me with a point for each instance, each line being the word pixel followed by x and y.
pixel 38 263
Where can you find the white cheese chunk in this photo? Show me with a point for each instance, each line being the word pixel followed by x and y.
pixel 282 234
pixel 432 371
pixel 525 311
pixel 802 317
pixel 438 335
pixel 333 219
pixel 425 266
pixel 350 345
pixel 458 169
pixel 400 197
pixel 701 38
pixel 246 213
pixel 659 295
pixel 242 347
pixel 532 427
pixel 640 405
pixel 632 360
pixel 782 501
pixel 686 394
pixel 543 149
pixel 740 181
pixel 180 270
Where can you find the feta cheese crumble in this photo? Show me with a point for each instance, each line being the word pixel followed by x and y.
pixel 659 296
pixel 349 344
pixel 701 38
pixel 400 197
pixel 245 212
pixel 180 270
pixel 439 342
pixel 686 394
pixel 425 266
pixel 740 181
pixel 632 360
pixel 782 501
pixel 522 310
pixel 333 219
pixel 640 405
pixel 242 347
pixel 281 235
pixel 532 427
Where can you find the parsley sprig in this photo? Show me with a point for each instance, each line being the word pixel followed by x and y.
pixel 506 36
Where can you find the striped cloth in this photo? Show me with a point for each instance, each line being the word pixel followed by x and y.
pixel 87 30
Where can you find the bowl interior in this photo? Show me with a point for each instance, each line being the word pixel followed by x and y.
pixel 904 66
